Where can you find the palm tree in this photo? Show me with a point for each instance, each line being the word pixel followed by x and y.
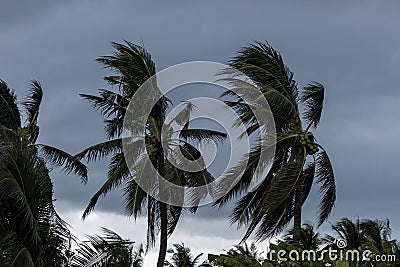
pixel 31 232
pixel 361 234
pixel 246 250
pixel 133 65
pixel 349 231
pixel 309 239
pixel 107 250
pixel 181 257
pixel 299 160
pixel 239 256
pixel 13 132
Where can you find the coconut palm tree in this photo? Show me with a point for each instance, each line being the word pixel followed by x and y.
pixel 31 232
pixel 107 250
pixel 246 250
pixel 14 132
pixel 299 160
pixel 239 256
pixel 132 66
pixel 309 239
pixel 181 257
pixel 349 231
pixel 361 234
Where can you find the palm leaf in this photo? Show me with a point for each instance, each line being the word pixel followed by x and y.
pixel 326 180
pixel 183 117
pixel 118 172
pixel 108 103
pixel 313 98
pixel 32 103
pixel 279 193
pixel 308 179
pixel 265 67
pixel 9 113
pixel 133 63
pixel 134 198
pixel 64 160
pixel 100 151
pixel 201 134
pixel 104 250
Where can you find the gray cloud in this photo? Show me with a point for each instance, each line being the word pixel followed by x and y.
pixel 352 48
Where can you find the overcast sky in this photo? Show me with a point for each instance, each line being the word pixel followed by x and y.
pixel 351 47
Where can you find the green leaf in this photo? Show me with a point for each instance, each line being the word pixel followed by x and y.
pixel 313 98
pixel 326 180
pixel 65 160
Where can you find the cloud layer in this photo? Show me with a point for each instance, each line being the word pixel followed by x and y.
pixel 352 48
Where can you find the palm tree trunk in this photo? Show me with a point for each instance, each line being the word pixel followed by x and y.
pixel 164 235
pixel 163 215
pixel 297 212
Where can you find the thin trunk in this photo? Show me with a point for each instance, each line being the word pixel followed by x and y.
pixel 163 213
pixel 297 212
pixel 164 235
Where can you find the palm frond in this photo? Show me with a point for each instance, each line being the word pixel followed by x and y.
pixel 308 179
pixel 12 190
pixel 113 127
pixel 108 103
pixel 107 249
pixel 174 216
pixel 251 169
pixel 134 198
pixel 64 160
pixel 276 199
pixel 9 113
pixel 284 111
pixel 326 180
pixel 118 172
pixel 32 103
pixel 183 116
pixel 100 151
pixel 245 207
pixel 133 63
pixel 201 134
pixel 313 98
pixel 265 67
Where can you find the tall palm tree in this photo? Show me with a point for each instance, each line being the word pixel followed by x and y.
pixel 133 65
pixel 107 250
pixel 299 160
pixel 31 232
pixel 181 257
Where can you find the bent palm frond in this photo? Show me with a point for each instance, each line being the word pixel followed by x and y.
pixel 313 98
pixel 326 180
pixel 64 160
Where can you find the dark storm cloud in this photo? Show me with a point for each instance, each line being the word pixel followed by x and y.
pixel 352 48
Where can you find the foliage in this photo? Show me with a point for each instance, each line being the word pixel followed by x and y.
pixel 181 257
pixel 31 231
pixel 132 66
pixel 107 250
pixel 299 160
